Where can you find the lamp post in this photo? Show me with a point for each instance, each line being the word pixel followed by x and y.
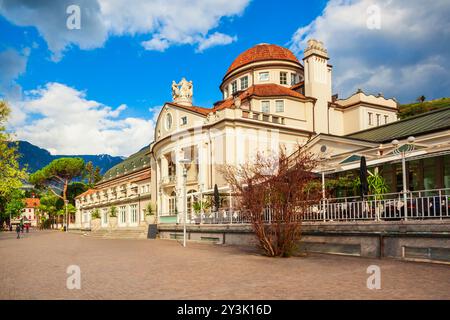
pixel 66 202
pixel 184 163
pixel 403 151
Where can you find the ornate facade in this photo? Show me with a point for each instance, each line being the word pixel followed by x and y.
pixel 269 99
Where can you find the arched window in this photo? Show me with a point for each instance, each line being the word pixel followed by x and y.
pixel 173 203
pixel 168 121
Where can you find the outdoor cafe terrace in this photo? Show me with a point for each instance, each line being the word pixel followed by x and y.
pixel 414 205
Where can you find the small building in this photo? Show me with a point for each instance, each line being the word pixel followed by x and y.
pixel 29 213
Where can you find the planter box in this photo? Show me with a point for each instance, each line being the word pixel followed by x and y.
pixel 96 224
pixel 150 219
pixel 113 223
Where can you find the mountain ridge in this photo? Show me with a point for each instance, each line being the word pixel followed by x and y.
pixel 36 158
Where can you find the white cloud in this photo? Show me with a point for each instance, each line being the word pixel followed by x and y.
pixel 409 55
pixel 12 65
pixel 216 39
pixel 62 119
pixel 166 23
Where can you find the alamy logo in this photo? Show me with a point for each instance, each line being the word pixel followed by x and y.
pixel 374 17
pixel 74 279
pixel 374 280
pixel 74 19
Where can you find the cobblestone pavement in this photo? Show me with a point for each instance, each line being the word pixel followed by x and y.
pixel 34 267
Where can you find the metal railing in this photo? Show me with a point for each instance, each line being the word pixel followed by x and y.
pixel 425 204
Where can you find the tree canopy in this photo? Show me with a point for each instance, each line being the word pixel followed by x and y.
pixel 58 174
pixel 11 175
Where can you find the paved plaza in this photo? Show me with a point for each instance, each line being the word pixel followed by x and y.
pixel 34 267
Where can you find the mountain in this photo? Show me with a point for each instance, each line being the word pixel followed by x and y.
pixel 37 158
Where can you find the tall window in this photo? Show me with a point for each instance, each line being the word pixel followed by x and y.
pixel 105 216
pixel 122 214
pixel 264 76
pixel 234 86
pixel 244 83
pixel 283 77
pixel 386 119
pixel 378 119
pixel 168 121
pixel 370 119
pixel 293 79
pixel 265 106
pixel 133 212
pixel 183 120
pixel 173 203
pixel 279 106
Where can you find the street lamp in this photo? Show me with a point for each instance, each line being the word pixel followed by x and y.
pixel 184 163
pixel 403 151
pixel 66 202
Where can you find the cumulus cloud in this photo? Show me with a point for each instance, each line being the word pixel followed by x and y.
pixel 12 65
pixel 405 56
pixel 165 22
pixel 63 120
pixel 216 39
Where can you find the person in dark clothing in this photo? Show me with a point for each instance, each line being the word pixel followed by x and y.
pixel 18 231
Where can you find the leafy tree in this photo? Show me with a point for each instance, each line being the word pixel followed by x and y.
pixel 285 194
pixel 48 205
pixel 15 204
pixel 11 175
pixel 74 189
pixel 58 174
pixel 70 210
pixel 421 99
pixel 92 174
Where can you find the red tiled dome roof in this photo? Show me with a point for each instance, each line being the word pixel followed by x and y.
pixel 262 52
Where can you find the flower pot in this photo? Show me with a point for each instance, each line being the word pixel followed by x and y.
pixel 95 224
pixel 113 223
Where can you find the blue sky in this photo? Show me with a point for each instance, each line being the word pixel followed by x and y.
pixel 116 70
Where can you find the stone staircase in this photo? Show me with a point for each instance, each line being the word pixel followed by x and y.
pixel 120 233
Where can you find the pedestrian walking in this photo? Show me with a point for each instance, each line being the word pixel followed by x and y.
pixel 27 227
pixel 18 231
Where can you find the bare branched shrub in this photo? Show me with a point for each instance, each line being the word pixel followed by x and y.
pixel 273 193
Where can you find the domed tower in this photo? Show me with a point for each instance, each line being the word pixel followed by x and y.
pixel 262 64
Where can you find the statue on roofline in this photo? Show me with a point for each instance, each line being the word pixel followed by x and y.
pixel 183 91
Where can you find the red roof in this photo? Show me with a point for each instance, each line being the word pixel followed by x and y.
pixel 260 90
pixel 262 52
pixel 88 192
pixel 32 202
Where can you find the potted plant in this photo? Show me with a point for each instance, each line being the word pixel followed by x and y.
pixel 95 219
pixel 377 187
pixel 95 214
pixel 149 212
pixel 113 217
